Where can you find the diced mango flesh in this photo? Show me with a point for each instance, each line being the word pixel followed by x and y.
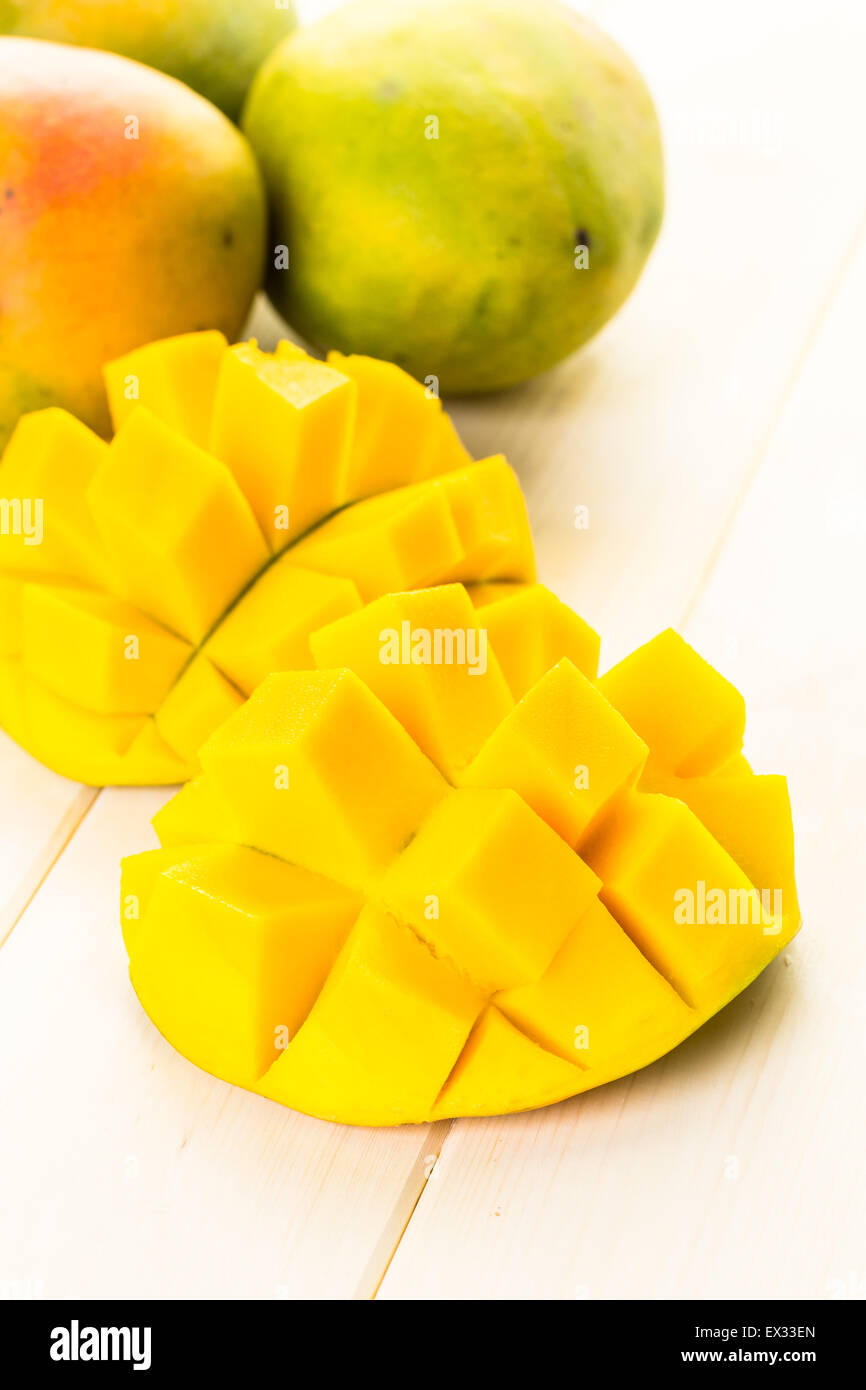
pixel 490 887
pixel 291 462
pixel 175 379
pixel 600 1004
pixel 401 434
pixel 565 750
pixel 691 718
pixel 425 655
pixel 47 529
pixel 309 765
pixel 258 938
pixel 385 1031
pixel 181 536
pixel 515 941
pixel 530 630
pixel 247 500
pixel 683 900
pixel 98 650
pixel 270 626
pixel 197 704
pixel 501 1069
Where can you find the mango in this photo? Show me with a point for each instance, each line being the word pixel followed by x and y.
pixel 467 188
pixel 246 502
pixel 516 936
pixel 214 46
pixel 130 210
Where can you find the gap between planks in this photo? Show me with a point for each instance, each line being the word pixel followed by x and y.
pixel 421 1172
pixel 54 847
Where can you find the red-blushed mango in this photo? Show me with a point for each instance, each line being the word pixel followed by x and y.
pixel 214 46
pixel 130 209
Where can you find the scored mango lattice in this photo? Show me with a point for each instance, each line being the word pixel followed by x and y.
pixel 246 499
pixel 436 875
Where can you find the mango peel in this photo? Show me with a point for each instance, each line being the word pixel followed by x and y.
pixel 246 499
pixel 402 889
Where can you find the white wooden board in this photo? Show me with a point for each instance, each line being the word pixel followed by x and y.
pixel 715 432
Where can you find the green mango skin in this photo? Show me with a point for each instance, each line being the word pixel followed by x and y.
pixel 455 257
pixel 214 46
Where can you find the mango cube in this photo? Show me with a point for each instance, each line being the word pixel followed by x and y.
pixel 682 899
pixel 270 626
pixel 490 887
pixel 257 936
pixel 565 750
pixel 98 650
pixel 600 1003
pixel 501 1069
pixel 690 716
pixel 175 379
pixel 403 540
pixel 47 528
pixel 199 701
pixel 401 433
pixel 271 418
pixel 181 536
pixel 309 764
pixel 530 630
pixel 425 656
pixel 383 1035
pixel 490 515
pixel 197 815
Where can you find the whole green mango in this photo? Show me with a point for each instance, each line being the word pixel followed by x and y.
pixel 469 188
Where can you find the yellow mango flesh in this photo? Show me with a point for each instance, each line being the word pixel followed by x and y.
pixel 514 940
pixel 489 886
pixel 196 815
pixel 390 1021
pixel 308 765
pixel 292 465
pixel 270 626
pixel 690 716
pixel 531 630
pixel 98 650
pixel 180 533
pixel 395 413
pixel 226 512
pixel 48 530
pixel 175 379
pixel 426 657
pixel 565 749
pixel 600 1002
pixel 200 700
pixel 501 1069
pixel 258 937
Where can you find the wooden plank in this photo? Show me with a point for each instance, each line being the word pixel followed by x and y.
pixel 732 1168
pixel 133 1173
